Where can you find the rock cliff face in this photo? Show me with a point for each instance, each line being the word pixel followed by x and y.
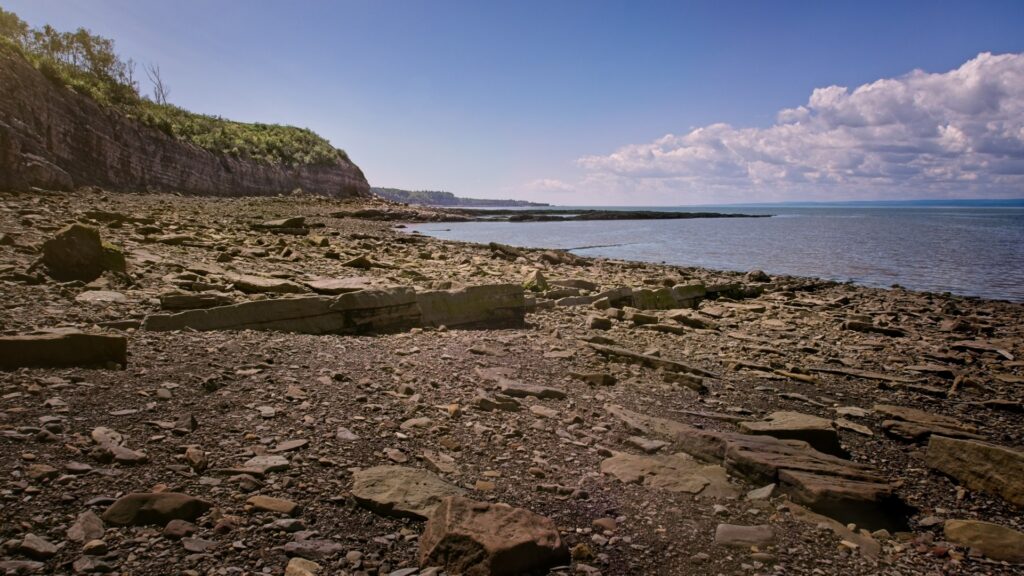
pixel 53 138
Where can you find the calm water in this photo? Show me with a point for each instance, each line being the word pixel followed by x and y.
pixel 968 251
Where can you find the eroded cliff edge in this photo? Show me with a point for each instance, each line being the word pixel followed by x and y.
pixel 54 138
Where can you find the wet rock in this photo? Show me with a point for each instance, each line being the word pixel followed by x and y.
pixel 156 508
pixel 979 466
pixel 475 538
pixel 818 432
pixel 743 536
pixel 63 348
pixel 992 540
pixel 400 491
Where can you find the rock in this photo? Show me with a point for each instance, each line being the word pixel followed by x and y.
pixel 844 490
pixel 979 466
pixel 520 390
pixel 595 378
pixel 313 549
pixel 486 306
pixel 818 432
pixel 196 459
pixel 63 348
pixel 95 548
pixel 400 491
pixel 486 402
pixel 36 547
pixel 646 444
pixel 301 567
pixel 476 538
pixel 21 566
pixel 77 253
pixel 374 310
pixel 197 545
pixel 156 508
pixel 190 301
pixel 88 526
pixel 649 360
pixel 992 540
pixel 762 493
pixel 251 284
pixel 673 473
pixel 267 463
pixel 276 505
pixel 178 529
pixel 101 297
pixel 743 536
pixel 757 276
pixel 916 425
pixel 335 286
pixel 535 282
pixel 599 323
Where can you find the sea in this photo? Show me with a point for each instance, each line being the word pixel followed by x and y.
pixel 968 251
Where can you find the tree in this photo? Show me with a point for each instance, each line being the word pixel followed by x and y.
pixel 160 90
pixel 13 27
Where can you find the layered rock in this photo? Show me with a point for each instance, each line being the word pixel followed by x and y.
pixel 372 310
pixel 54 138
pixel 483 539
pixel 845 490
pixel 979 466
pixel 63 348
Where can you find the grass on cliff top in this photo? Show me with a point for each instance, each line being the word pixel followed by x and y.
pixel 88 65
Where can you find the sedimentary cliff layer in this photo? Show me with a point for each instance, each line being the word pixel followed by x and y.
pixel 54 138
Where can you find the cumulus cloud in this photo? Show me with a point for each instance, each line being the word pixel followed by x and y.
pixel 952 134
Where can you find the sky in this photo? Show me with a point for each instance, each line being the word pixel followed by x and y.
pixel 602 103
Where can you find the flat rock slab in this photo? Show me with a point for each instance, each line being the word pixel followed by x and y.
pixel 743 536
pixel 916 425
pixel 979 466
pixel 992 540
pixel 251 284
pixel 816 431
pixel 670 472
pixel 401 491
pixel 845 490
pixel 267 463
pixel 521 390
pixel 155 508
pixel 468 537
pixel 359 312
pixel 64 348
pixel 648 360
pixel 335 286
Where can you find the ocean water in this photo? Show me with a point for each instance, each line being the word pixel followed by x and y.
pixel 964 250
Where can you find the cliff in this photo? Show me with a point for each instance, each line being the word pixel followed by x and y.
pixel 54 138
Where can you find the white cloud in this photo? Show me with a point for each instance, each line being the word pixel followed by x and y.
pixel 953 134
pixel 549 185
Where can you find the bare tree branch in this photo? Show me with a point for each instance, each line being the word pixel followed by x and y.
pixel 160 90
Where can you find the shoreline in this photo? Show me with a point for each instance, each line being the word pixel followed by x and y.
pixel 592 411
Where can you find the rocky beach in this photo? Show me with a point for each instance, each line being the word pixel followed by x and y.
pixel 295 385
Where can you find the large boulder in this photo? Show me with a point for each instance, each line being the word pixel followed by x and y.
pixel 979 466
pixel 154 508
pixel 992 540
pixel 77 253
pixel 482 539
pixel 62 348
pixel 401 491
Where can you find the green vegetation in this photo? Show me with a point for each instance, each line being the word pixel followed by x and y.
pixel 438 198
pixel 88 64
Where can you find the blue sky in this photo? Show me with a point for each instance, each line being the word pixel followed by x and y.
pixel 608 102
